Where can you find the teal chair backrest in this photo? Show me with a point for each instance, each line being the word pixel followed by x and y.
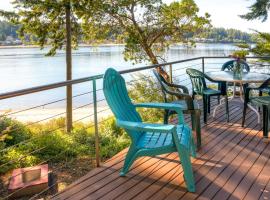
pixel 197 80
pixel 116 94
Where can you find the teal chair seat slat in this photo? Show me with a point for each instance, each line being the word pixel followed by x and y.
pixel 148 139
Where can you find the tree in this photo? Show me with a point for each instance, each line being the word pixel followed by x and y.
pixel 47 22
pixel 262 47
pixel 258 10
pixel 148 27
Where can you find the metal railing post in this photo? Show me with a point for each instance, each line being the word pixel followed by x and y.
pixel 170 68
pixel 203 64
pixel 96 124
pixel 69 108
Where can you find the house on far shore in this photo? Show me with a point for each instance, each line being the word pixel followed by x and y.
pixel 10 41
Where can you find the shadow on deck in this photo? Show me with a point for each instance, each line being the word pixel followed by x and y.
pixel 232 164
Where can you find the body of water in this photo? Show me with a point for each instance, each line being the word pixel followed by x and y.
pixel 28 67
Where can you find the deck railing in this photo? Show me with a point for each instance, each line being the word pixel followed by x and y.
pixel 94 98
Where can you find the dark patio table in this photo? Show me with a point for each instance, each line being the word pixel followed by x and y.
pixel 248 77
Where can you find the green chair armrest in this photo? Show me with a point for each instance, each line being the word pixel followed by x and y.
pixel 139 126
pixel 184 88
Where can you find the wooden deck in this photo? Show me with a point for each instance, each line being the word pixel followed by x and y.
pixel 232 164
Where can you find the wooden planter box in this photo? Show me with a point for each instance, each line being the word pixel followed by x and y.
pixel 28 181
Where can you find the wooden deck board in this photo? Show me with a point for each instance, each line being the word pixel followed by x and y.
pixel 234 163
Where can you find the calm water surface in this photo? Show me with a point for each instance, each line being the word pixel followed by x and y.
pixel 27 67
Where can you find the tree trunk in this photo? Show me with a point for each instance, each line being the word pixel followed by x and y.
pixel 68 69
pixel 154 61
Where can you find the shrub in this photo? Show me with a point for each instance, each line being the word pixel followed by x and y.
pixel 146 89
pixel 112 138
pixel 48 142
pixel 12 131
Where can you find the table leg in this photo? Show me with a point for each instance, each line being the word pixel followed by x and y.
pixel 222 102
pixel 249 106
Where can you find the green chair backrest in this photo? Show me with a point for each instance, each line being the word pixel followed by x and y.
pixel 228 66
pixel 197 80
pixel 266 84
pixel 116 94
pixel 164 87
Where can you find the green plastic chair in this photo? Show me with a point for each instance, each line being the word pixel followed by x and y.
pixel 190 106
pixel 149 139
pixel 199 87
pixel 262 101
pixel 228 66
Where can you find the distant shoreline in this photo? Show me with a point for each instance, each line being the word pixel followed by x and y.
pixel 36 46
pixel 100 45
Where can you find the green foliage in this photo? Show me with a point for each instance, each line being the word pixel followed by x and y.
pixel 15 158
pixel 146 89
pixel 241 54
pixel 148 27
pixel 258 10
pixel 261 48
pixel 47 142
pixel 113 139
pixel 44 22
pixel 12 131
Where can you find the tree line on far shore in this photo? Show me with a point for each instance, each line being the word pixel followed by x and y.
pixel 9 31
pixel 229 35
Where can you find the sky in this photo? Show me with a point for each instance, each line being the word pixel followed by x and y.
pixel 224 13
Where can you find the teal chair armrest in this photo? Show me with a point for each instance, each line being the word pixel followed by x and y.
pixel 139 126
pixel 167 106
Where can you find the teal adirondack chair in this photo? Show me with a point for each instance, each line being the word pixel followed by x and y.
pixel 149 139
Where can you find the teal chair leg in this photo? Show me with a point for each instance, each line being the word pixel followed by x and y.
pixel 187 168
pixel 184 155
pixel 130 158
